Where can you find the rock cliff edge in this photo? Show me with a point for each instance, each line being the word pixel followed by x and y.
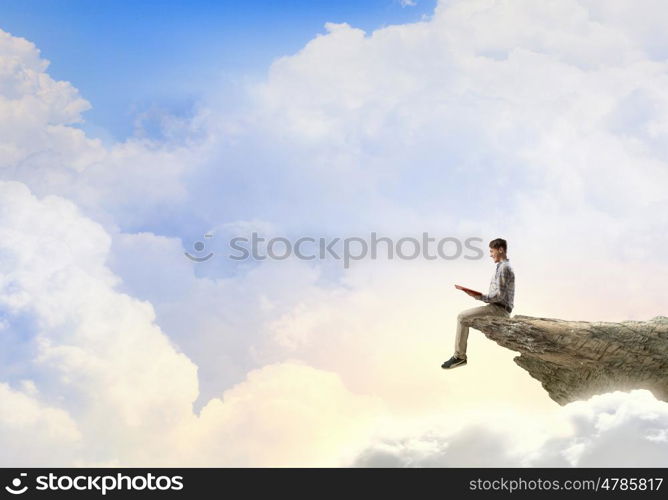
pixel 575 360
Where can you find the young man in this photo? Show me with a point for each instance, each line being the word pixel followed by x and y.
pixel 499 300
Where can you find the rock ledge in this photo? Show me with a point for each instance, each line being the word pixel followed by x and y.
pixel 575 360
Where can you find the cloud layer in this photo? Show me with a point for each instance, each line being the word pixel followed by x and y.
pixel 611 430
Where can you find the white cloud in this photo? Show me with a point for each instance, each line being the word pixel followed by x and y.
pixel 507 117
pixel 84 336
pixel 611 430
pixel 104 379
pixel 122 184
pixel 32 433
pixel 287 414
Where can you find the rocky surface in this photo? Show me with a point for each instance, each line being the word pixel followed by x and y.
pixel 575 360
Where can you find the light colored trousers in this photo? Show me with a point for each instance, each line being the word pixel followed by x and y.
pixel 463 330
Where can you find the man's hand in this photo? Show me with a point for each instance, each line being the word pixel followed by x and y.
pixel 474 295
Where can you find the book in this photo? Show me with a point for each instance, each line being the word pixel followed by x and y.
pixel 468 290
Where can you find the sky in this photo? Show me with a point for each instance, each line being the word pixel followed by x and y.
pixel 132 131
pixel 130 57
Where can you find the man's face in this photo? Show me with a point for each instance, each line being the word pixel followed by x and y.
pixel 496 254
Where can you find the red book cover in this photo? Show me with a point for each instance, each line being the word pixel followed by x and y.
pixel 464 289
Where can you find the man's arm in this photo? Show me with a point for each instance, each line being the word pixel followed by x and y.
pixel 500 288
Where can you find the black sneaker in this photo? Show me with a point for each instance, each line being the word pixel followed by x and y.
pixel 453 362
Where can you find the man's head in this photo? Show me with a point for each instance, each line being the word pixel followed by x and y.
pixel 498 249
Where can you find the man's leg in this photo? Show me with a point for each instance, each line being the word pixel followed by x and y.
pixel 463 330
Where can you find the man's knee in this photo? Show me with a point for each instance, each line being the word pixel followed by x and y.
pixel 469 313
pixel 463 315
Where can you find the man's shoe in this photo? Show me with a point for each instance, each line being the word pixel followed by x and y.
pixel 453 362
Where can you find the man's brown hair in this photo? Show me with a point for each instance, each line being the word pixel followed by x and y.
pixel 499 243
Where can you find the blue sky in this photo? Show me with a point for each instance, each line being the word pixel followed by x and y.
pixel 127 56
